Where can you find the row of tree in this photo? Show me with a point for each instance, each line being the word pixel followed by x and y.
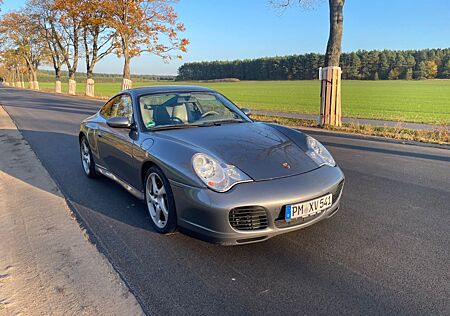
pixel 366 65
pixel 60 32
pixel 49 76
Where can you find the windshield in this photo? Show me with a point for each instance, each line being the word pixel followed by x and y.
pixel 187 109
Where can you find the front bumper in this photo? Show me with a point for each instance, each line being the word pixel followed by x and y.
pixel 205 213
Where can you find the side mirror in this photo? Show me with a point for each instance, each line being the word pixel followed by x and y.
pixel 246 111
pixel 119 122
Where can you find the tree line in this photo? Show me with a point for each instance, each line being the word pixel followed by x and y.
pixel 49 76
pixel 359 65
pixel 60 32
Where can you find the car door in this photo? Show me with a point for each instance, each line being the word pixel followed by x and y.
pixel 115 145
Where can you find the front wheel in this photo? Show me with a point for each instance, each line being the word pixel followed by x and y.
pixel 160 202
pixel 87 161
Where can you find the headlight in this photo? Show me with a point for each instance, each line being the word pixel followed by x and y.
pixel 318 153
pixel 216 174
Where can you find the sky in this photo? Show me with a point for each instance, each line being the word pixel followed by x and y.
pixel 237 29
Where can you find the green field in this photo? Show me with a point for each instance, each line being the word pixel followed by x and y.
pixel 425 101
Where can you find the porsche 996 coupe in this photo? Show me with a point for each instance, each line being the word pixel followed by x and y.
pixel 201 164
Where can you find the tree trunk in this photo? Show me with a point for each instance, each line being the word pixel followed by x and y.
pixel 72 83
pixel 13 78
pixel 126 68
pixel 333 52
pixel 18 82
pixel 35 79
pixel 30 80
pixel 21 80
pixel 58 80
pixel 126 81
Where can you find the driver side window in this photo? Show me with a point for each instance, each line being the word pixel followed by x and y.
pixel 124 107
pixel 119 106
pixel 108 109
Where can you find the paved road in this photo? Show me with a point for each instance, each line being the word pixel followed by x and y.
pixel 386 251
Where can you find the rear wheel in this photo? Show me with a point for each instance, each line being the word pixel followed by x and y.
pixel 160 202
pixel 87 161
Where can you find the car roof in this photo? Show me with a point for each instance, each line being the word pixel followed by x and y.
pixel 162 89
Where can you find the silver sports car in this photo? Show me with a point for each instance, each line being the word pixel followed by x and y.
pixel 202 165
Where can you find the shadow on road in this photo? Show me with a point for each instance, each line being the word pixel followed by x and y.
pixel 71 167
pixel 85 107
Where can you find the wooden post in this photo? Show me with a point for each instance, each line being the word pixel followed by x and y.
pixel 126 84
pixel 58 86
pixel 72 87
pixel 330 96
pixel 90 87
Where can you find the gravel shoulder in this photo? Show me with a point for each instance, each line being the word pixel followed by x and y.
pixel 47 264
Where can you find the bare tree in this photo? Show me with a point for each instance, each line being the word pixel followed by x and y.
pixel 21 34
pixel 66 27
pixel 333 52
pixel 10 61
pixel 41 12
pixel 97 39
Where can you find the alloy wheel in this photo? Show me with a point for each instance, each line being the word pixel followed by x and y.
pixel 86 157
pixel 157 203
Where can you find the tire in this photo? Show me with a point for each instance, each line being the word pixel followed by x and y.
pixel 159 201
pixel 87 160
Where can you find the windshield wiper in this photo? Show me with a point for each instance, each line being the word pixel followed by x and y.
pixel 206 124
pixel 220 122
pixel 167 127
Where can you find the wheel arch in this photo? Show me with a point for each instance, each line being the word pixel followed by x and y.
pixel 80 136
pixel 145 166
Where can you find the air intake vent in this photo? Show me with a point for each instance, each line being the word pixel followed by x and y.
pixel 338 191
pixel 248 218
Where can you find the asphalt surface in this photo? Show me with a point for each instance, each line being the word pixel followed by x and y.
pixel 387 251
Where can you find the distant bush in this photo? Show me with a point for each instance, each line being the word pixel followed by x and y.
pixel 220 80
pixel 49 76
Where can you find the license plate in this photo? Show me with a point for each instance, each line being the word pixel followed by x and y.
pixel 308 208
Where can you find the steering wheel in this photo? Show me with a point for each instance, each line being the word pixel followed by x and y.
pixel 176 120
pixel 209 113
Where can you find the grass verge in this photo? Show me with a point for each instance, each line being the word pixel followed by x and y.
pixel 419 101
pixel 438 135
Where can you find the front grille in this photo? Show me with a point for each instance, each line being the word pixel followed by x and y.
pixel 280 222
pixel 248 218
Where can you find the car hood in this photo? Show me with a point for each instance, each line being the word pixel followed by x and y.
pixel 258 149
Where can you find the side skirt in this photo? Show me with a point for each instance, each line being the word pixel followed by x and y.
pixel 138 194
